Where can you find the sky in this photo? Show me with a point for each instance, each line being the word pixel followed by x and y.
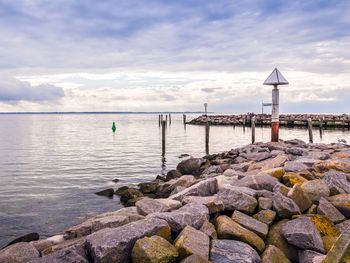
pixel 160 55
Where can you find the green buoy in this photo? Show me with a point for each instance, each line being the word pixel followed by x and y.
pixel 114 127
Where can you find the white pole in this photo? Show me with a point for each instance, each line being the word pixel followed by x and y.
pixel 275 114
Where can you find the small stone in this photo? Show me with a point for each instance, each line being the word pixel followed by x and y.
pixel 213 203
pixel 173 174
pixel 227 251
pixel 250 223
pixel 276 238
pixel 326 209
pixel 273 254
pixel 235 198
pixel 302 233
pixel 284 206
pixel 193 166
pixel 300 198
pixel 340 251
pixel 154 249
pixel 209 229
pixel 309 256
pixel 108 192
pixel 316 189
pixel 264 203
pixel 228 229
pixel 265 216
pixel 192 241
pixel 130 193
pixel 21 252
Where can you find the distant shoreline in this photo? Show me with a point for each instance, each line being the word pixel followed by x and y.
pixel 108 112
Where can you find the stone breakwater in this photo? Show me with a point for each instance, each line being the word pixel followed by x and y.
pixel 268 202
pixel 289 120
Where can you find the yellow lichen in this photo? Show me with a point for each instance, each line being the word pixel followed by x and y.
pixel 324 226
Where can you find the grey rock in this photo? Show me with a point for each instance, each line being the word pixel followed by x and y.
pixel 189 215
pixel 230 173
pixel 316 189
pixel 295 151
pixel 337 182
pixel 147 206
pixel 302 233
pixel 300 198
pixel 228 251
pixel 195 259
pixel 209 229
pixel 344 227
pixel 206 187
pixel 318 155
pixel 213 203
pixel 265 203
pixel 19 253
pixel 326 209
pixel 236 198
pixel 173 174
pixel 115 245
pixel 341 202
pixel 213 169
pixel 250 223
pixel 26 238
pixel 149 187
pixel 73 254
pixel 43 244
pixel 258 182
pixel 193 166
pixel 309 256
pixel 294 166
pixel 257 156
pixel 284 206
pixel 107 192
pixel 297 142
pixel 273 254
pixel 168 188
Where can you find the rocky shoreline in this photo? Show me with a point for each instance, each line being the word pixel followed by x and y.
pixel 289 120
pixel 267 202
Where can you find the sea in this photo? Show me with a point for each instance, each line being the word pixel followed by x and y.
pixel 52 164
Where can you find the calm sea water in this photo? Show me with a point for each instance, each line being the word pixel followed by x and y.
pixel 51 165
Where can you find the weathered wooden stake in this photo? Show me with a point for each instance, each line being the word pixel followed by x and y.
pixel 184 118
pixel 309 126
pixel 159 120
pixel 207 129
pixel 169 119
pixel 253 130
pixel 163 136
pixel 166 119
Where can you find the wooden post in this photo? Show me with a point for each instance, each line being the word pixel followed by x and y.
pixel 166 119
pixel 184 118
pixel 207 129
pixel 159 120
pixel 163 136
pixel 253 130
pixel 321 122
pixel 275 114
pixel 169 119
pixel 161 117
pixel 309 126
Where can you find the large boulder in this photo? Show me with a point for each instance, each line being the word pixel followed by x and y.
pixel 273 254
pixel 21 252
pixel 326 209
pixel 302 233
pixel 258 182
pixel 115 244
pixel 206 187
pixel 300 198
pixel 337 182
pixel 154 249
pixel 316 189
pixel 213 203
pixel 189 215
pixel 236 198
pixel 228 251
pixel 276 238
pixel 193 166
pixel 147 206
pixel 192 241
pixel 229 229
pixel 250 223
pixel 284 206
pixel 342 203
pixel 106 220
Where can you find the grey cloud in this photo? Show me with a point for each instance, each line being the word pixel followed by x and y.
pixel 210 90
pixel 13 91
pixel 167 97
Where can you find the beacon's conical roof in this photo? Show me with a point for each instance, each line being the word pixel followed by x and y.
pixel 276 78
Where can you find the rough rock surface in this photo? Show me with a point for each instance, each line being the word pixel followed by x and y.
pixel 250 223
pixel 337 182
pixel 326 209
pixel 21 252
pixel 344 227
pixel 265 216
pixel 213 203
pixel 235 198
pixel 209 229
pixel 115 245
pixel 192 166
pixel 228 251
pixel 189 215
pixel 229 229
pixel 273 254
pixel 284 206
pixel 195 259
pixel 192 241
pixel 147 206
pixel 300 198
pixel 342 203
pixel 302 233
pixel 309 256
pixel 258 182
pixel 207 187
pixel 340 252
pixel 154 249
pixel 316 189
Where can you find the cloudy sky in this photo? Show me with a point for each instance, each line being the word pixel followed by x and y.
pixel 160 55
